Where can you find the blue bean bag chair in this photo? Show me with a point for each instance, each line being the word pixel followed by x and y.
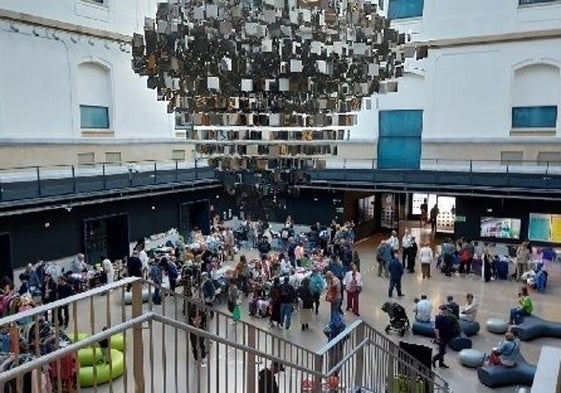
pixel 534 327
pixel 470 328
pixel 460 342
pixel 494 376
pixel 423 329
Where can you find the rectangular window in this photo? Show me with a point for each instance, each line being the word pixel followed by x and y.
pixel 549 158
pixel 113 157
pixel 534 117
pixel 401 9
pixel 511 157
pixel 526 2
pixel 96 117
pixel 178 155
pixel 86 159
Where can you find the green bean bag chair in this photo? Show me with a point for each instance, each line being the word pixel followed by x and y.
pixel 100 373
pixel 117 341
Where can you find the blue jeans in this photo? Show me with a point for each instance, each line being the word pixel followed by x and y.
pixel 517 315
pixel 335 308
pixel 156 298
pixel 286 314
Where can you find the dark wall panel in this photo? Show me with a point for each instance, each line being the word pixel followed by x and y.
pixel 33 239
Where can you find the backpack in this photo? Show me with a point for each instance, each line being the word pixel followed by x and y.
pixel 454 324
pixel 287 293
pixel 316 284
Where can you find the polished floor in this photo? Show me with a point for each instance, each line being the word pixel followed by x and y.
pixel 495 299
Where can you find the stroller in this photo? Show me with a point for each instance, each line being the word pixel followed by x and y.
pixel 398 318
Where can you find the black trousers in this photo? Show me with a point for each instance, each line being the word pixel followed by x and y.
pixel 198 344
pixel 315 299
pixel 441 352
pixel 63 315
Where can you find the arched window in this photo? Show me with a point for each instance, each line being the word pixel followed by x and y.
pixel 94 93
pixel 533 105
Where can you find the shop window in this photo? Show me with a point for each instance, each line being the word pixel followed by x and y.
pixel 401 9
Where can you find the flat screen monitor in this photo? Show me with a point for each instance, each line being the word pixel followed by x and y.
pixel 500 228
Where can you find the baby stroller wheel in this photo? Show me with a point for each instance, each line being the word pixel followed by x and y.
pixel 387 329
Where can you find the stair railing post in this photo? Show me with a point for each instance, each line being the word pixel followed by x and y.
pixel 138 345
pixel 251 360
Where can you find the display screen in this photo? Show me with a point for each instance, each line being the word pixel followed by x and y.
pixel 545 227
pixel 502 228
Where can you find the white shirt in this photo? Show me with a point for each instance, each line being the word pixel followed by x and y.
pixel 426 255
pixel 347 280
pixel 144 259
pixel 394 242
pixel 406 241
pixel 423 310
pixel 469 311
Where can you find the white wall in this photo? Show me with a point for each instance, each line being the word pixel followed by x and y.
pixel 468 92
pixel 39 95
pixel 446 19
pixel 119 16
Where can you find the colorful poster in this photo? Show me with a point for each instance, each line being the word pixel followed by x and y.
pixel 556 229
pixel 539 227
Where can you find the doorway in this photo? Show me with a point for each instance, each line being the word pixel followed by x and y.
pixel 194 214
pixel 106 236
pixel 6 263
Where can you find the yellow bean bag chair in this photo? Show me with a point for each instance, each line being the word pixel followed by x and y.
pixel 77 337
pixel 100 373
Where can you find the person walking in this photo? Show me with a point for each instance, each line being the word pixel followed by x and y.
pixel 63 290
pixel 287 298
pixel 333 294
pixel 406 243
pixel 444 333
pixel 383 255
pixel 434 212
pixel 317 286
pixel 197 318
pixel 522 258
pixel 353 285
pixel 305 295
pixel 426 257
pixel 396 271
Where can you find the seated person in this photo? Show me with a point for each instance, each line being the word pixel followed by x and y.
pixel 517 314
pixel 469 311
pixel 529 278
pixel 506 353
pixel 452 306
pixel 422 309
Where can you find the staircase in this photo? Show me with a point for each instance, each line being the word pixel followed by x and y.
pixel 158 350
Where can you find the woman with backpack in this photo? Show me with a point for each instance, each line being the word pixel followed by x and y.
pixel 317 286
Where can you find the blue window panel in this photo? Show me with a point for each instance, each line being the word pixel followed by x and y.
pixel 399 142
pixel 525 2
pixel 401 123
pixel 534 117
pixel 401 9
pixel 399 153
pixel 94 116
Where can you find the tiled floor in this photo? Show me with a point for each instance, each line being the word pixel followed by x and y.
pixel 495 299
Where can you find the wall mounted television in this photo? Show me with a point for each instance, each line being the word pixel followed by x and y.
pixel 500 227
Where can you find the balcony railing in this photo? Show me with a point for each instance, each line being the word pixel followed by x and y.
pixel 152 345
pixel 45 181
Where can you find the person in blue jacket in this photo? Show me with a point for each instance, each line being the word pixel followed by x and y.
pixel 395 268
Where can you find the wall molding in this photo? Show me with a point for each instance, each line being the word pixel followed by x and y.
pixel 63 26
